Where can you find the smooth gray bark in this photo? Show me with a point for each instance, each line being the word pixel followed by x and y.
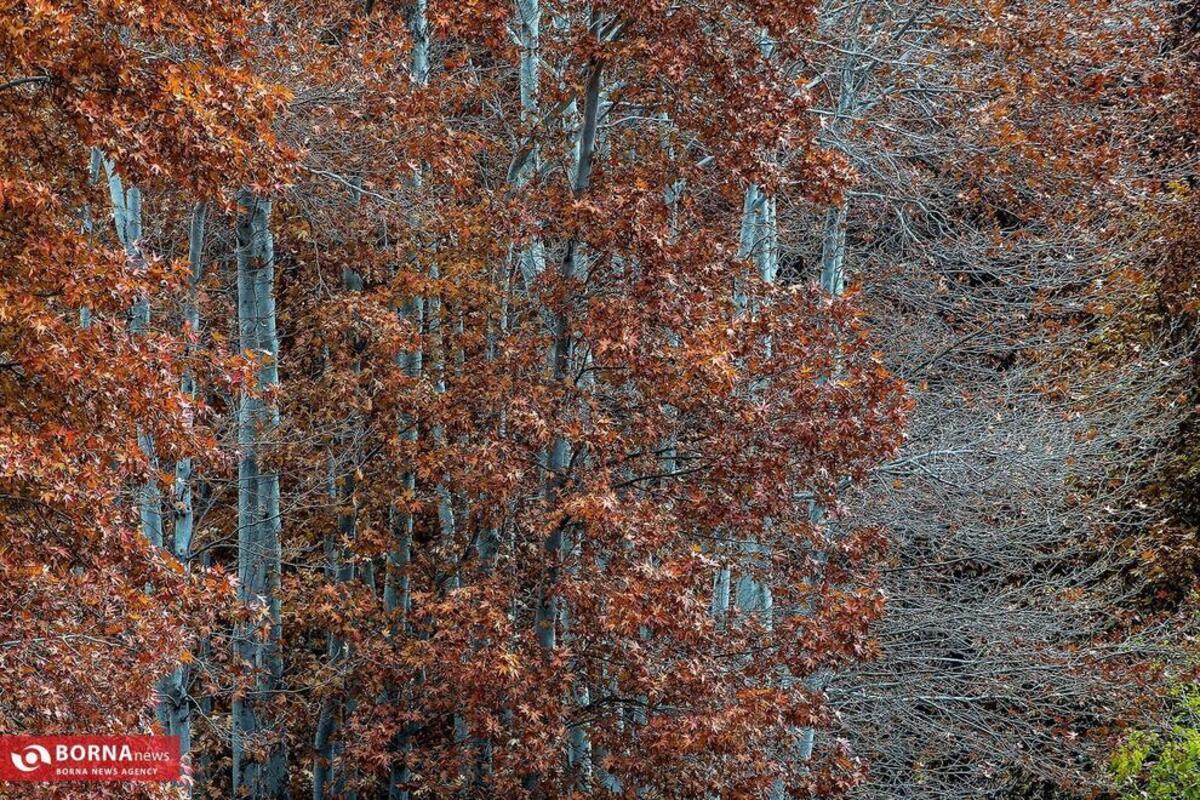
pixel 397 600
pixel 833 280
pixel 127 218
pixel 172 710
pixel 260 774
pixel 396 593
pixel 547 612
pixel 176 706
pixel 756 242
pixel 184 526
pixel 339 568
pixel 533 257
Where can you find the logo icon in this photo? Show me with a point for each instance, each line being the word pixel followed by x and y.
pixel 132 758
pixel 30 758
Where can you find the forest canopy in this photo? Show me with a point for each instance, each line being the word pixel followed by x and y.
pixel 543 399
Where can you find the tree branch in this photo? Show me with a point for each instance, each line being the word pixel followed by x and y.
pixel 15 82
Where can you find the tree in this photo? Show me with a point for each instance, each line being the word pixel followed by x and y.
pixel 1001 157
pixel 538 370
pixel 541 528
pixel 94 612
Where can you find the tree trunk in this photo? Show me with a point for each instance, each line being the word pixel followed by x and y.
pixel 259 759
pixel 174 686
pixel 339 568
pixel 396 596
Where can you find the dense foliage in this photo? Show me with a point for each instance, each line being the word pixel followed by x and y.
pixel 640 399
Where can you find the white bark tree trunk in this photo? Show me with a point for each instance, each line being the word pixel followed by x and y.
pixel 396 592
pixel 260 775
pixel 175 686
